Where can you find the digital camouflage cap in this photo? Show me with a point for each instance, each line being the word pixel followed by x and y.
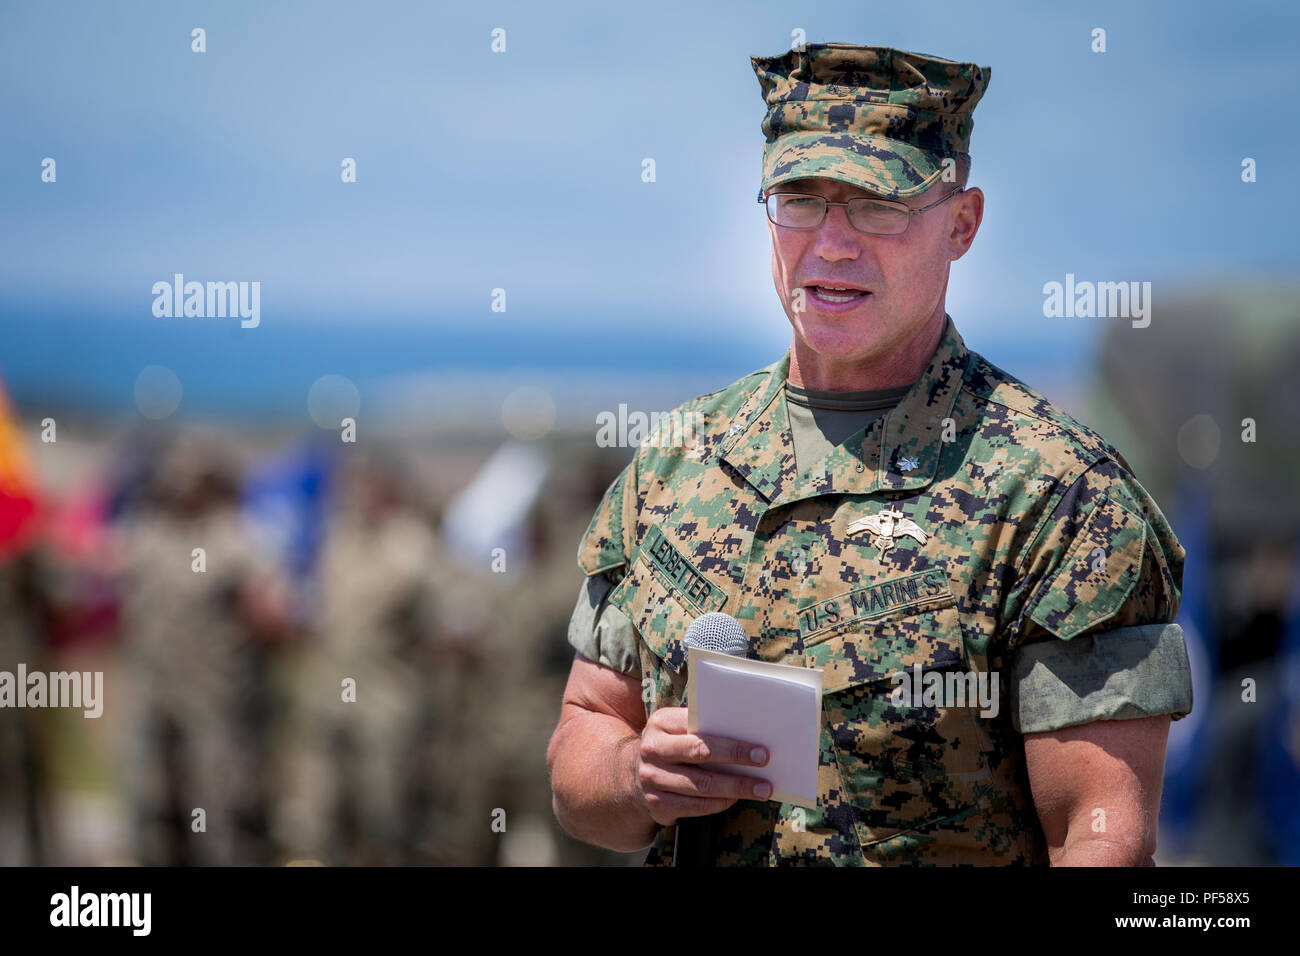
pixel 874 117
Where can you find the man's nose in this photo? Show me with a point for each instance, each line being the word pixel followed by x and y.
pixel 837 238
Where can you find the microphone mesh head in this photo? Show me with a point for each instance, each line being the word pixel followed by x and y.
pixel 718 632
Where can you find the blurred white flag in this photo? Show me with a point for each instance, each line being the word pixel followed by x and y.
pixel 491 511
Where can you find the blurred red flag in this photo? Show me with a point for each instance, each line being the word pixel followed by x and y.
pixel 18 494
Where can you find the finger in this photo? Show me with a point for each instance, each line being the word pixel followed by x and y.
pixel 667 807
pixel 695 781
pixel 695 748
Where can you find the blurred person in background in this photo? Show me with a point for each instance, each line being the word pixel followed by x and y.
pixel 529 668
pixel 193 627
pixel 70 607
pixel 361 682
pixel 500 658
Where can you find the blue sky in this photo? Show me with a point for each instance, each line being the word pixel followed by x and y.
pixel 521 170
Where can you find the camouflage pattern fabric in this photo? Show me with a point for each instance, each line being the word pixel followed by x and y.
pixel 1036 533
pixel 877 118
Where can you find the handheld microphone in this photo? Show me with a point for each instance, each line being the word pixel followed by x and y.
pixel 697 837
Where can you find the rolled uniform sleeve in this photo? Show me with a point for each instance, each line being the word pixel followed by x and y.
pixel 1097 592
pixel 601 632
pixel 598 630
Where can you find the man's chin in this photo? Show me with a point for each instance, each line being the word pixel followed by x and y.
pixel 838 341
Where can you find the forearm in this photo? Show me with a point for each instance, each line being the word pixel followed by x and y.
pixel 593 761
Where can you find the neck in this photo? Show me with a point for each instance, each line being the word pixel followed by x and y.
pixel 903 366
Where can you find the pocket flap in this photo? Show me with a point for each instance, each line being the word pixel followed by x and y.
pixel 1098 573
pixel 877 650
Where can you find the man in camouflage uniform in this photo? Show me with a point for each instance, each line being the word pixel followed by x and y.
pixel 880 502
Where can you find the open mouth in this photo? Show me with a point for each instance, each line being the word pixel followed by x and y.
pixel 832 296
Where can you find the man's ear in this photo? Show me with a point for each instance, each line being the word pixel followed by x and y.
pixel 965 222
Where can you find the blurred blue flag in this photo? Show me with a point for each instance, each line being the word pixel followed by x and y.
pixel 287 496
pixel 1186 757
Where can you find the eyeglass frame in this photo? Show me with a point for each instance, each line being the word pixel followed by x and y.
pixel 762 200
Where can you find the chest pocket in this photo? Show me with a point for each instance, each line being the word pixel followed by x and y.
pixel 905 761
pixel 662 610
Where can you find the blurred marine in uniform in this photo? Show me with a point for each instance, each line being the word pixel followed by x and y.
pixel 201 598
pixel 358 684
pixel 880 502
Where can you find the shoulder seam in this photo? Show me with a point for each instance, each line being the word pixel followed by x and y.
pixel 1096 445
pixel 729 385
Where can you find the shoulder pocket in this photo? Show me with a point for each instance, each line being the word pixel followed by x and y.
pixel 1097 574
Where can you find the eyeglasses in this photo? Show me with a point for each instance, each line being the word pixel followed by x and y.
pixel 875 217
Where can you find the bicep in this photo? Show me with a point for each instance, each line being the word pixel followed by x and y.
pixel 1112 766
pixel 595 688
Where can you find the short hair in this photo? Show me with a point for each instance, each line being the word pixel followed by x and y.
pixel 963 168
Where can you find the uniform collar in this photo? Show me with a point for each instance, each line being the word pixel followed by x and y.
pixel 898 453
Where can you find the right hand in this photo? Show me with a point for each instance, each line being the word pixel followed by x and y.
pixel 673 774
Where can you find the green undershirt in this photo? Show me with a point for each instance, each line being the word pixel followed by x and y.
pixel 820 419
